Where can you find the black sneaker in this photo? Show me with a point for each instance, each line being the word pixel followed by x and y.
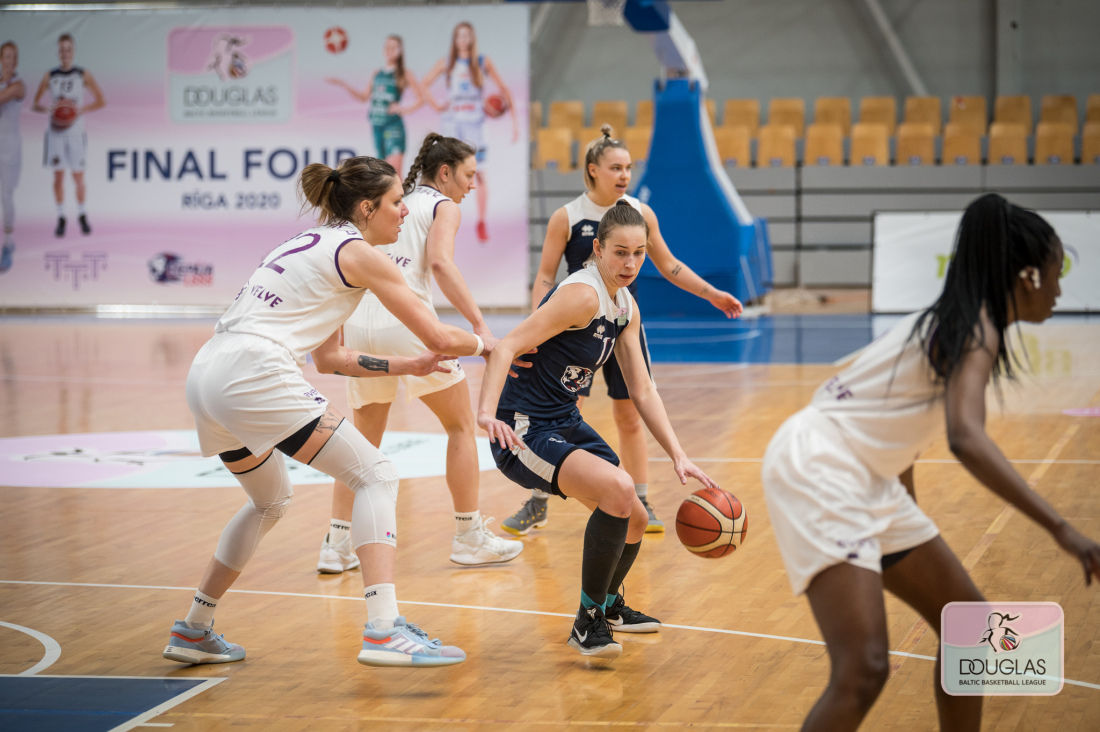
pixel 84 227
pixel 626 620
pixel 60 230
pixel 591 635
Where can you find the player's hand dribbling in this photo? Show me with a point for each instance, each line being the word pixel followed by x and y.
pixel 427 363
pixel 499 432
pixel 685 468
pixel 1085 549
pixel 727 303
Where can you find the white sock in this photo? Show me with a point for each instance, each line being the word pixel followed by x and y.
pixel 60 211
pixel 641 489
pixel 201 614
pixel 80 209
pixel 540 495
pixel 381 605
pixel 338 531
pixel 467 521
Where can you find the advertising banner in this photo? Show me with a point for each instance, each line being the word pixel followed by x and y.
pixel 912 251
pixel 154 155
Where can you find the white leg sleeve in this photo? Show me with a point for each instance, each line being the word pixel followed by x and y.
pixel 269 493
pixel 350 458
pixel 9 176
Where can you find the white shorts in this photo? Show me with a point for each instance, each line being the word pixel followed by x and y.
pixel 247 391
pixel 827 507
pixel 469 131
pixel 65 149
pixel 373 329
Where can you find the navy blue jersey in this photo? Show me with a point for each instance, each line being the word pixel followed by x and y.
pixel 565 363
pixel 584 222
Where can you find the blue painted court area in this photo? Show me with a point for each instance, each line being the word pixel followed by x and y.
pixel 88 704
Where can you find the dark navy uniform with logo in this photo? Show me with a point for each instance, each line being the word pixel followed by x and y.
pixel 584 222
pixel 541 404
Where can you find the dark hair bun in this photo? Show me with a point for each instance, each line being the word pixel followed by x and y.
pixel 622 202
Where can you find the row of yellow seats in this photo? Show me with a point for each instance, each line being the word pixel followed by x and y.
pixel 969 111
pixel 554 145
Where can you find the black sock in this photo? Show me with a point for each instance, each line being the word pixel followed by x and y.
pixel 604 538
pixel 626 561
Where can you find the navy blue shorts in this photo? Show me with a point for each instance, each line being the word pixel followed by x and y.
pixel 548 442
pixel 613 375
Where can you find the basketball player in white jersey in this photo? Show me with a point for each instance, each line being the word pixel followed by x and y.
pixel 12 91
pixel 838 475
pixel 576 328
pixel 66 139
pixel 607 172
pixel 464 111
pixel 252 403
pixel 445 168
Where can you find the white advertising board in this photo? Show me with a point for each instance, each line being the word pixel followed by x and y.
pixel 913 250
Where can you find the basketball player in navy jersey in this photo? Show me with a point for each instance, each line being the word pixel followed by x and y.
pixel 607 172
pixel 12 91
pixel 540 441
pixel 66 147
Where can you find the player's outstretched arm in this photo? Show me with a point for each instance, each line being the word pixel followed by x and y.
pixel 681 275
pixel 362 266
pixel 360 96
pixel 43 87
pixel 427 82
pixel 331 357
pixel 491 70
pixel 967 438
pixel 553 249
pixel 417 89
pixel 628 352
pixel 440 251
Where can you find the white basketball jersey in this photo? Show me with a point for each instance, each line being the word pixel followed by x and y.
pixel 463 94
pixel 69 85
pixel 298 296
pixel 887 403
pixel 9 113
pixel 409 251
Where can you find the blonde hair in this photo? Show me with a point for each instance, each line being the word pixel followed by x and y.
pixel 335 193
pixel 595 151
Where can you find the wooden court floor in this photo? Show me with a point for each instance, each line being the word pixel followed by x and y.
pixel 103 572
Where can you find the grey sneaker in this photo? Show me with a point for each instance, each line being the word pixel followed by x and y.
pixel 532 515
pixel 405 644
pixel 655 525
pixel 187 645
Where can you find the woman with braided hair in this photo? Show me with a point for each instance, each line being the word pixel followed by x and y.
pixel 425 247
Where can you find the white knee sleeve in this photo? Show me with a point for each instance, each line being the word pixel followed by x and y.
pixel 350 458
pixel 269 493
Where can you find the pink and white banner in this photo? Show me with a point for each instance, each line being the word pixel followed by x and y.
pixel 188 168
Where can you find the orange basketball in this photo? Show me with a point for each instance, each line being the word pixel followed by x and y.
pixel 711 523
pixel 495 105
pixel 63 114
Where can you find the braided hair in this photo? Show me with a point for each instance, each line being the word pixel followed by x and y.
pixel 435 152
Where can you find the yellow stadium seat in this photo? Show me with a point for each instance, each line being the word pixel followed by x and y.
pixel 734 146
pixel 555 148
pixel 791 112
pixel 1090 144
pixel 536 118
pixel 742 113
pixel 1007 144
pixel 925 109
pixel 776 146
pixel 567 114
pixel 1054 144
pixel 637 142
pixel 870 144
pixel 1092 109
pixel 1059 108
pixel 962 145
pixel 879 110
pixel 969 111
pixel 824 144
pixel 643 113
pixel 613 113
pixel 1014 110
pixel 834 110
pixel 917 143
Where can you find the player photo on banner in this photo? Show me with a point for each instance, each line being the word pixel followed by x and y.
pixel 162 175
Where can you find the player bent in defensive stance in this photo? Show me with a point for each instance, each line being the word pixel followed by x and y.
pixel 838 475
pixel 576 328
pixel 252 403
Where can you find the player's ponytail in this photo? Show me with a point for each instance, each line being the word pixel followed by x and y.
pixel 995 242
pixel 335 193
pixel 435 152
pixel 595 151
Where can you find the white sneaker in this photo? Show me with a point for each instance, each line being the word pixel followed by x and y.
pixel 337 558
pixel 481 546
